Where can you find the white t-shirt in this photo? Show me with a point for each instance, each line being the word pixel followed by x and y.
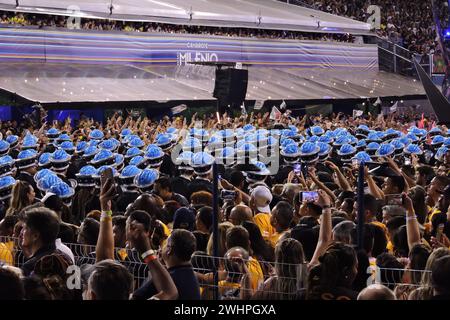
pixel 64 249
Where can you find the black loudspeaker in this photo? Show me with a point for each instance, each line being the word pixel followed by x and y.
pixel 231 86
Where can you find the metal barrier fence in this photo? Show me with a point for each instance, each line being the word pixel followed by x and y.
pixel 291 285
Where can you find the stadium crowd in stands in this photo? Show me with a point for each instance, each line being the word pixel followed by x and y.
pixel 130 202
pixel 409 24
pixel 42 20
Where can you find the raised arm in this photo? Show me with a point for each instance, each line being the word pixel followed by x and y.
pixel 325 232
pixel 412 225
pixel 320 185
pixel 343 182
pixel 373 188
pixel 105 244
pixel 158 273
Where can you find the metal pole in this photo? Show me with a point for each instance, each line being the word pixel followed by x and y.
pixel 361 217
pixel 215 231
pixel 395 58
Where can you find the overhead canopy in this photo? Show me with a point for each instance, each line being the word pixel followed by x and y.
pixel 266 14
pixel 51 83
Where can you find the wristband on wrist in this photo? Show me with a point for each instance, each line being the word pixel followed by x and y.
pixel 326 207
pixel 105 218
pixel 408 218
pixel 148 253
pixel 107 212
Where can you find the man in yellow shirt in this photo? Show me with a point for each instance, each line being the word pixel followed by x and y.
pixel 260 200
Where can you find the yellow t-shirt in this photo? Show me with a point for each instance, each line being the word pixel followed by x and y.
pixel 6 249
pixel 256 273
pixel 262 220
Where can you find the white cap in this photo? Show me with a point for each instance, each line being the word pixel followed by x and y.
pixel 262 197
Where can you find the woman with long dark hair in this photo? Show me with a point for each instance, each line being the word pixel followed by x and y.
pixel 23 195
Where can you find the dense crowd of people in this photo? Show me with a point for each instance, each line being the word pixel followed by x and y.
pixel 409 24
pixel 49 21
pixel 133 191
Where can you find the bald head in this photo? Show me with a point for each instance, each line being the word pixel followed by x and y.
pixel 376 292
pixel 240 214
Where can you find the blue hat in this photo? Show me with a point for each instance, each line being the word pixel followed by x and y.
pixel 164 141
pixel 324 150
pixel 126 132
pixel 191 144
pixel 47 181
pixel 441 152
pixel 285 142
pixel 136 142
pixel 146 178
pixel 200 134
pixel 86 176
pixel 64 137
pixel 4 147
pixel 45 159
pixel 6 165
pixel 90 151
pixel 30 142
pixel 60 160
pixel 372 147
pixel 435 131
pixel 447 142
pixel 62 190
pixel 227 133
pixel 128 174
pixel 346 150
pixel 313 139
pixel 309 152
pixel 103 168
pixel 103 157
pixel 172 130
pixel 245 147
pixel 317 131
pixel 361 145
pixel 6 185
pixel 291 152
pixel 413 149
pixel 341 140
pixel 215 141
pixel 154 156
pixel 202 162
pixel 405 140
pixel 94 143
pixel 248 127
pixel 184 218
pixel 12 140
pixel 81 147
pixel 130 171
pixel 96 135
pixel 326 139
pixel 67 146
pixel 362 156
pixel 263 171
pixel 138 161
pixel 52 133
pixel 118 161
pixel 42 173
pixel 287 133
pixel 437 141
pixel 362 131
pixel 412 137
pixel 184 159
pixel 109 144
pixel 385 149
pixel 374 136
pixel 26 158
pixel 132 152
pixel 227 153
pixel 398 145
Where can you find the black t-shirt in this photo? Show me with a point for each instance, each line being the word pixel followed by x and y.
pixel 185 280
pixel 199 185
pixel 180 185
pixel 338 293
pixel 29 264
